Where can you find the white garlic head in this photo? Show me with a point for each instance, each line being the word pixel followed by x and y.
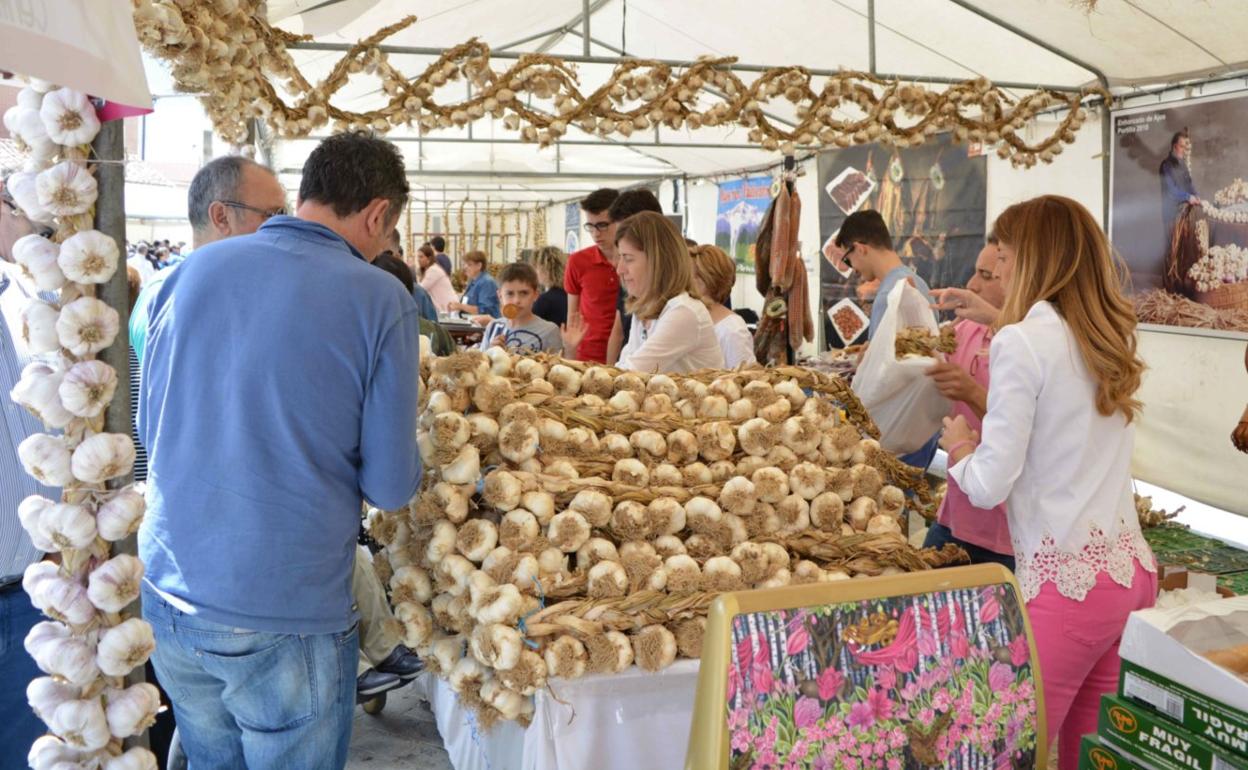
pixel 67 189
pixel 68 117
pixel 113 585
pixel 125 646
pixel 593 505
pixel 88 257
pixel 47 458
pixel 87 388
pixel 771 484
pixel 132 710
pixel 81 724
pixel 38 391
pixel 121 515
pixel 86 326
pixel 37 256
pixel 103 456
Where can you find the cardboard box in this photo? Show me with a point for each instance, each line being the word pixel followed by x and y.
pixel 1156 741
pixel 1095 755
pixel 1170 643
pixel 1174 578
pixel 1206 718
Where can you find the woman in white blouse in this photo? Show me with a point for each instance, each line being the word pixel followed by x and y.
pixel 713 276
pixel 672 330
pixel 1056 449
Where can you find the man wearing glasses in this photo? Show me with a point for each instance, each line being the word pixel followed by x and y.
pixel 229 196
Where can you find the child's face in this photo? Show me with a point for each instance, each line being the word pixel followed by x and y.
pixel 518 293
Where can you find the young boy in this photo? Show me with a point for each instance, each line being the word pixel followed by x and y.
pixel 519 330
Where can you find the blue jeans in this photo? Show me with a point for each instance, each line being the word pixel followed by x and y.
pixel 938 534
pixel 20 727
pixel 249 699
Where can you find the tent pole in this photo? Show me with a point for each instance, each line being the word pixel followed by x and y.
pixel 1107 140
pixel 110 218
pixel 585 12
pixel 871 36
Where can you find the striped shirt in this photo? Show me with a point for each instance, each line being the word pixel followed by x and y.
pixel 140 454
pixel 16 550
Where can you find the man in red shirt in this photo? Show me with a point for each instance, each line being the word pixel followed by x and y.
pixel 592 283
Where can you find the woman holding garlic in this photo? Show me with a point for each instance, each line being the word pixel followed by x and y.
pixel 672 330
pixel 1056 448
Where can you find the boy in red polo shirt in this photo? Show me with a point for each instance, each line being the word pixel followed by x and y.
pixel 592 283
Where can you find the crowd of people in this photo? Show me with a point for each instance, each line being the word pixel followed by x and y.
pixel 268 434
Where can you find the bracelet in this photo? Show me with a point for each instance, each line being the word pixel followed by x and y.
pixel 959 445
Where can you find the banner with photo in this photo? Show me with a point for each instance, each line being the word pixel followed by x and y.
pixel 571 227
pixel 933 199
pixel 739 215
pixel 1179 210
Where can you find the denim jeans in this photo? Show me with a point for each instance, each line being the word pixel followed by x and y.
pixel 938 534
pixel 249 699
pixel 19 726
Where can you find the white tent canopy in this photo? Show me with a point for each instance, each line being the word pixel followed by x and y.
pixel 1128 44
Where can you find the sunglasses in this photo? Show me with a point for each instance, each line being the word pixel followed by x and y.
pixel 267 214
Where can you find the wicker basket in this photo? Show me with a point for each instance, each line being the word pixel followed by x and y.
pixel 1231 296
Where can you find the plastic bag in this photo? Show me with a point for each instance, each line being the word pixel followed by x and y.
pixel 898 394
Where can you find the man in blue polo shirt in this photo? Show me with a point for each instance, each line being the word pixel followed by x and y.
pixel 273 405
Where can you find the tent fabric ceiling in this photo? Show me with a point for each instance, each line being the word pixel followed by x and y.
pixel 1129 42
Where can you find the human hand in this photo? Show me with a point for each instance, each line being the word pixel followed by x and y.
pixel 1239 436
pixel 481 320
pixel 955 383
pixel 956 432
pixel 965 304
pixel 453 306
pixel 1192 199
pixel 573 332
pixel 500 341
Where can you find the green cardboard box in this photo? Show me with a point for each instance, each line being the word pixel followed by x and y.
pixel 1095 755
pixel 1159 742
pixel 1198 714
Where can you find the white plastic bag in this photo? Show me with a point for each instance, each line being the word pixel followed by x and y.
pixel 901 398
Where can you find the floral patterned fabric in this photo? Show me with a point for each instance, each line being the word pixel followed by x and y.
pixel 933 680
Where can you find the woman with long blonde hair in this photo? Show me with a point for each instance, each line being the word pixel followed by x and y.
pixel 714 275
pixel 671 328
pixel 1056 449
pixel 552 305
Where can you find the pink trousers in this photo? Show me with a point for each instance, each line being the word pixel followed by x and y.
pixel 1078 647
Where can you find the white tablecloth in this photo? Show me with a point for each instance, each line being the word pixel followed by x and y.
pixel 623 721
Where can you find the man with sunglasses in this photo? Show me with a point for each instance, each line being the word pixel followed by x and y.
pixel 20 726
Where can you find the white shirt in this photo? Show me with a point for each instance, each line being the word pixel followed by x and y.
pixel 682 339
pixel 1061 467
pixel 735 341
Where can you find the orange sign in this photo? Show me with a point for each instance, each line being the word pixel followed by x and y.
pixel 1124 721
pixel 1102 759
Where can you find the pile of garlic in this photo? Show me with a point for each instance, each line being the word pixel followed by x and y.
pixel 549 485
pixel 87 646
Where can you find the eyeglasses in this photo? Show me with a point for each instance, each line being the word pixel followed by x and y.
pixel 262 212
pixel 600 227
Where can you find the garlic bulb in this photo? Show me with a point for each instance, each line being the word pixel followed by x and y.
pixel 713 407
pixel 623 651
pixel 113 585
pixel 38 392
pixel 81 724
pixel 794 513
pixel 86 326
pixel 716 441
pixel 492 393
pixel 595 550
pixel 683 574
pixel 738 496
pixel 722 470
pixel 726 387
pixel 451 500
pixel 500 361
pixel 37 257
pixel 827 511
pixel 695 474
pixel 518 441
pixel 771 484
pixel 50 752
pixel 666 515
pixel 540 504
pixel 121 516
pixel 87 388
pixel 497 646
pixel 617 446
pixel 860 512
pixel 29 512
pixel 67 526
pixel 502 490
pixel 807 480
pixel 70 658
pixel 701 512
pixel 607 580
pixel 777 411
pixel 29 127
pixel 442 543
pixel 67 189
pixel 865 451
pixel 103 456
pixel 868 482
pixel 449 431
pixel 654 648
pixel 417 623
pixel 518 529
pixel 629 520
pixel 551 561
pixel 657 403
pixel 741 410
pixel 567 381
pixel 125 646
pixel 756 436
pixel 45 693
pixel 892 500
pixel 598 381
pixel 841 481
pixel 501 604
pixel 410 584
pixel 752 560
pixel 668 545
pixel 793 392
pixel 530 370
pixel 69 118
pixel 721 573
pixel 132 710
pixel 650 445
pixel 47 459
pixel 484 431
pixel 136 758
pixel 88 257
pixel 568 531
pixel 454 573
pixel 883 524
pixel 466 674
pixel 624 402
pixel 22 186
pixel 39 328
pixel 801 435
pixel 566 658
pixel 476 538
pixel 465 468
pixel 631 472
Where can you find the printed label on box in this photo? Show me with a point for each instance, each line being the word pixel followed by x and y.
pixel 1145 733
pixel 1197 713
